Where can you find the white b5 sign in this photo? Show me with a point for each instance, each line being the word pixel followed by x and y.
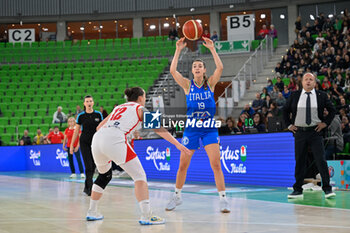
pixel 21 35
pixel 240 27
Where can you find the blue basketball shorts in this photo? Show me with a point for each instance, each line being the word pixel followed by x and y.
pixel 191 139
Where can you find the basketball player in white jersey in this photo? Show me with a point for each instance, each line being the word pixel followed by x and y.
pixel 110 144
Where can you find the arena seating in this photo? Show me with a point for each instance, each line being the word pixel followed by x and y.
pixel 42 76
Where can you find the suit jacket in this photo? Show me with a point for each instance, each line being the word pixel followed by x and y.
pixel 290 108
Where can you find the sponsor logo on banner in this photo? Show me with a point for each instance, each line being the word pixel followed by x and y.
pixel 35 156
pixel 331 171
pixel 159 158
pixel 230 159
pixel 62 156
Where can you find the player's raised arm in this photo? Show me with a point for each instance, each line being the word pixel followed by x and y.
pixel 214 79
pixel 183 82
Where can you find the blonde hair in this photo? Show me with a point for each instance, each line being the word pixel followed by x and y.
pixel 69 119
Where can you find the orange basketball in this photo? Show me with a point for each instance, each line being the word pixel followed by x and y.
pixel 192 30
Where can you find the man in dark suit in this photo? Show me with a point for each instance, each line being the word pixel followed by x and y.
pixel 303 114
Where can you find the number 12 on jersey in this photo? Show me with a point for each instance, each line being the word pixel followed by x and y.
pixel 118 113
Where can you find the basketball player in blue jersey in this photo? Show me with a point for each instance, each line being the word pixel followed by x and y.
pixel 200 107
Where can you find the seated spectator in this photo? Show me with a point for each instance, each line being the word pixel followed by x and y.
pixel 230 127
pixel 56 136
pixel 292 86
pixel 280 84
pixel 173 35
pixel 26 139
pixel 248 110
pixel 257 103
pixel 326 84
pixel 280 101
pixel 269 86
pixel 274 109
pixel 78 110
pixel 215 36
pixel 39 138
pixel 273 31
pixel 241 122
pixel 340 81
pixel 343 105
pixel 345 129
pixel 286 92
pixel 288 70
pixel 263 32
pixel 206 34
pixel 279 70
pixel 336 92
pixel 347 83
pixel 264 111
pixel 267 102
pixel 21 142
pixel 264 93
pixel 104 112
pixel 259 123
pixel 59 116
pixel 274 93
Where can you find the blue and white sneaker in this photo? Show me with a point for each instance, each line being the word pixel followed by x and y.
pixel 93 216
pixel 154 220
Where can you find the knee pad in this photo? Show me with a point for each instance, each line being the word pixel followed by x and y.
pixel 103 179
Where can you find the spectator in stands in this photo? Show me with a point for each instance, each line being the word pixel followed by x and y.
pixel 69 36
pixel 269 86
pixel 21 142
pixel 274 92
pixel 215 36
pixel 280 101
pixel 279 69
pixel 257 103
pixel 59 116
pixel 56 136
pixel 326 84
pixel 343 105
pixel 77 110
pixel 248 110
pixel 336 92
pixel 347 83
pixel 26 139
pixel 267 102
pixel 285 92
pixel 259 123
pixel 173 35
pixel 273 31
pixel 241 122
pixel 298 25
pixel 104 112
pixel 230 127
pixel 263 32
pixel 206 34
pixel 280 84
pixel 39 138
pixel 264 93
pixel 292 86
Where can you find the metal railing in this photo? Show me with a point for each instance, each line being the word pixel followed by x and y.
pixel 247 74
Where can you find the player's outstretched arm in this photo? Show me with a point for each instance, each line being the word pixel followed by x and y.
pixel 75 136
pixel 167 136
pixel 102 123
pixel 183 82
pixel 214 79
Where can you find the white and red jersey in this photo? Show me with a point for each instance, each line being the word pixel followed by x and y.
pixel 124 118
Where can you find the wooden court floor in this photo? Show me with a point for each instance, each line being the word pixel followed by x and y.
pixel 42 202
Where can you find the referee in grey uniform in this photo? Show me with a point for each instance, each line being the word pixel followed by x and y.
pixel 303 113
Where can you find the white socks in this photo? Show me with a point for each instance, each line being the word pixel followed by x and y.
pixel 93 205
pixel 145 208
pixel 222 195
pixel 178 192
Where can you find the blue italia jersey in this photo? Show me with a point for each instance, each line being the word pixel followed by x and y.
pixel 200 105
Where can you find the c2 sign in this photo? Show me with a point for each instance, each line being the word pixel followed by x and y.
pixel 21 35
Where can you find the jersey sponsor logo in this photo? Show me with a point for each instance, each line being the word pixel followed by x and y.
pixel 185 140
pixel 97 119
pixel 35 156
pixel 230 159
pixel 62 156
pixel 151 120
pixel 160 158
